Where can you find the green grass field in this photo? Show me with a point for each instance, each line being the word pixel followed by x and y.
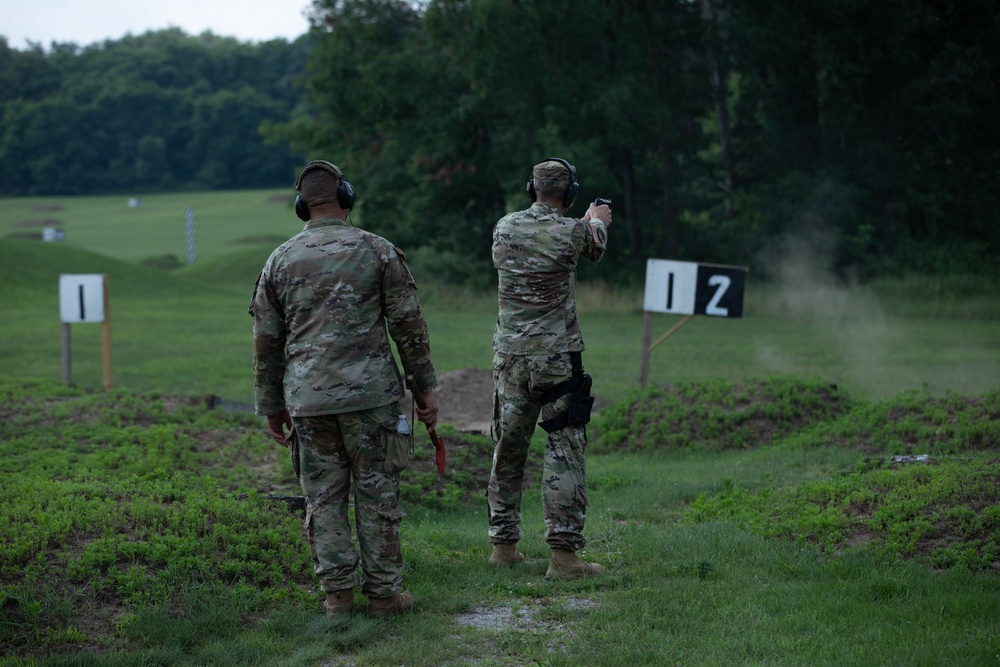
pixel 874 341
pixel 747 512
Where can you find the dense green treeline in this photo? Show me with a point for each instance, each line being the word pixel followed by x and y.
pixel 158 112
pixel 733 131
pixel 859 137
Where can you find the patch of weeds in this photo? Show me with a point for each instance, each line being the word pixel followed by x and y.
pixel 137 527
pixel 62 432
pixel 915 423
pixel 944 513
pixel 716 415
pixel 77 557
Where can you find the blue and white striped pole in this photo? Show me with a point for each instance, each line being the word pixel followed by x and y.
pixel 189 227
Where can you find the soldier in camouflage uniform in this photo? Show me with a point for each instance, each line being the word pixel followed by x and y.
pixel 324 368
pixel 537 368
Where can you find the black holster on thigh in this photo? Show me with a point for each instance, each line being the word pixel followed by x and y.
pixel 580 400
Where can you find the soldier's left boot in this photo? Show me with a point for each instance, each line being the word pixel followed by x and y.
pixel 339 603
pixel 397 604
pixel 565 565
pixel 506 554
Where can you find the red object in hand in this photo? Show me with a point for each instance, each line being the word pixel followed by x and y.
pixel 439 454
pixel 436 440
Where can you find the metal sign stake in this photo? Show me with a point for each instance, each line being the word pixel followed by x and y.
pixel 67 360
pixel 106 337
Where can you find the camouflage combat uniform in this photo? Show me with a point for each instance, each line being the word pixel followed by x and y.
pixel 535 253
pixel 320 311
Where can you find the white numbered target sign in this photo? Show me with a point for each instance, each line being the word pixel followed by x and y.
pixel 689 288
pixel 81 298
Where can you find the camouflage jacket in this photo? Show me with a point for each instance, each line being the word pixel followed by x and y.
pixel 320 312
pixel 536 253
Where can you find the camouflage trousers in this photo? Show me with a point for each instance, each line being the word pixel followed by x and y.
pixel 519 383
pixel 333 450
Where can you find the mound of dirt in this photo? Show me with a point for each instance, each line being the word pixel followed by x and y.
pixel 465 400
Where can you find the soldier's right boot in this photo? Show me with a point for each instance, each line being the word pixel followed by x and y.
pixel 506 554
pixel 565 565
pixel 397 604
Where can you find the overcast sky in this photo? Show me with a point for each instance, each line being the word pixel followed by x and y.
pixel 85 22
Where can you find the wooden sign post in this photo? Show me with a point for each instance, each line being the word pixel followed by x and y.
pixel 687 288
pixel 84 298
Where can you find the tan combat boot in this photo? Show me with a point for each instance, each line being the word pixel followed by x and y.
pixel 565 565
pixel 397 604
pixel 338 603
pixel 506 554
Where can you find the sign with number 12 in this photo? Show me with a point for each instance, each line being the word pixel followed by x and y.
pixel 689 288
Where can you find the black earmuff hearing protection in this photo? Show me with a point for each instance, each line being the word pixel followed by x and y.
pixel 301 208
pixel 346 196
pixel 572 190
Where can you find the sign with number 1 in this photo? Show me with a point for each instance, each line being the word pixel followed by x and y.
pixel 83 298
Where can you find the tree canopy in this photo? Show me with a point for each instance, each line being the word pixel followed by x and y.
pixel 722 129
pixel 160 111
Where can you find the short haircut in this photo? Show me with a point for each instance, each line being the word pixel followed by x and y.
pixel 550 192
pixel 318 183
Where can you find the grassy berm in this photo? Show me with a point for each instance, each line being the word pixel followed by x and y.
pixel 131 520
pixel 927 486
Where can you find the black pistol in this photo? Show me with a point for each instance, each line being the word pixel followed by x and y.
pixel 600 201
